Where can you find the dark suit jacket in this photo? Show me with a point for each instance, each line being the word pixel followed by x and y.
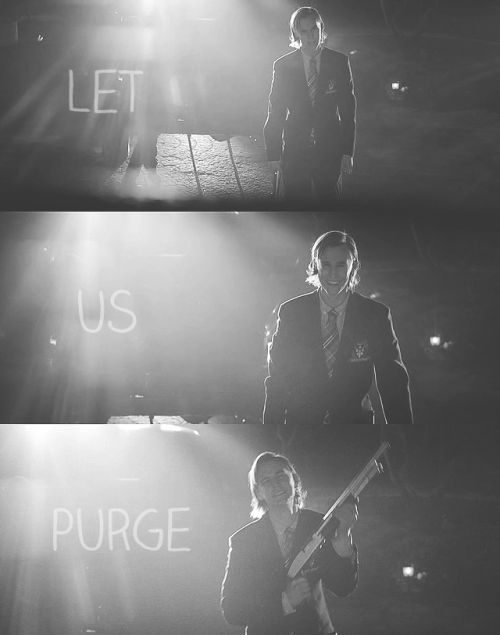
pixel 298 388
pixel 292 115
pixel 256 577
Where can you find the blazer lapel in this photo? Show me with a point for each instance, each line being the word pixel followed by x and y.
pixel 316 335
pixel 299 537
pixel 271 552
pixel 350 330
pixel 323 74
pixel 302 533
pixel 299 80
pixel 268 539
pixel 300 74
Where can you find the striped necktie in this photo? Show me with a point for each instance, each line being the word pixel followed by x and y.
pixel 331 337
pixel 286 542
pixel 313 80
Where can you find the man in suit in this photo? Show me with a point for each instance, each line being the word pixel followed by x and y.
pixel 256 592
pixel 310 128
pixel 331 344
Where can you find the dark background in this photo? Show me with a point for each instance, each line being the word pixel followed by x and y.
pixel 204 288
pixel 435 507
pixel 433 140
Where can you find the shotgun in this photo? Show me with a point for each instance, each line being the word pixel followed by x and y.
pixel 355 487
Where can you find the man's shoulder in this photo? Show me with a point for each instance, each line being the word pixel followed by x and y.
pixel 368 305
pixel 304 300
pixel 368 308
pixel 332 54
pixel 247 532
pixel 357 301
pixel 287 60
pixel 256 529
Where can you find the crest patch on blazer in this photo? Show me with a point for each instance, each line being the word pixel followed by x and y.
pixel 331 88
pixel 360 352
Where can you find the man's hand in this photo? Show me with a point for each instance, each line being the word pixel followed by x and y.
pixel 297 591
pixel 347 164
pixel 347 515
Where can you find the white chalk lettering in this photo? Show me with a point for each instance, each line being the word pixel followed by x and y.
pixel 98 91
pixel 172 529
pixel 102 310
pixel 79 525
pixel 132 86
pixel 55 525
pixel 123 310
pixel 86 328
pixel 121 530
pixel 158 532
pixel 115 529
pixel 71 95
pixel 103 91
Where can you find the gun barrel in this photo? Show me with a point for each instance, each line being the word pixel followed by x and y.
pixel 360 481
pixel 355 487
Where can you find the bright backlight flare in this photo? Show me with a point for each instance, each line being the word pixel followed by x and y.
pixel 147 6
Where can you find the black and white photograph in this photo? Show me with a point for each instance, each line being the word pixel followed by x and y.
pixel 249 272
pixel 127 529
pixel 248 104
pixel 225 317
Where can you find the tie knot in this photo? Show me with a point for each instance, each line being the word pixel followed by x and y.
pixel 332 314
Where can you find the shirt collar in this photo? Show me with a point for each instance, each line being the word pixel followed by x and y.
pixel 316 55
pixel 281 529
pixel 326 308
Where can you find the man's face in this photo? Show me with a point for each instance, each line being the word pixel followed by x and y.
pixel 335 267
pixel 309 35
pixel 275 485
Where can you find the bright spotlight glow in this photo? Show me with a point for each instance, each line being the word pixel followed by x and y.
pixel 129 427
pixel 39 434
pixel 172 427
pixel 175 424
pixel 435 340
pixel 395 85
pixel 409 571
pixel 147 6
pixel 87 220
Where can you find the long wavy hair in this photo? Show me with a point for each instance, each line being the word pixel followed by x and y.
pixel 258 506
pixel 299 14
pixel 333 239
